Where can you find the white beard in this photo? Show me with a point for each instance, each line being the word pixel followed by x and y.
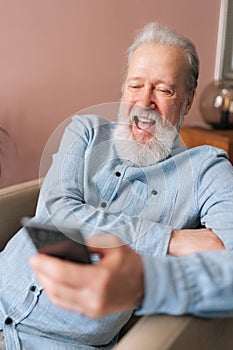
pixel 143 153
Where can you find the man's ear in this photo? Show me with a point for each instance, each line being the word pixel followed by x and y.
pixel 189 102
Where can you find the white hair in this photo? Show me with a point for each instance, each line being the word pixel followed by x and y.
pixel 155 33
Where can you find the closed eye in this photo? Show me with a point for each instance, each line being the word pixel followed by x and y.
pixel 164 91
pixel 135 86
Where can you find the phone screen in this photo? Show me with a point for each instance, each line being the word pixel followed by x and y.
pixel 50 240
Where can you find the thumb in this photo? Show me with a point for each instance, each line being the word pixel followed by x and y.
pixel 104 241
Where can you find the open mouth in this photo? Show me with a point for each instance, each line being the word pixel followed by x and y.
pixel 143 122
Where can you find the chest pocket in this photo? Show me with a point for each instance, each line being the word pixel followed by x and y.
pixel 151 203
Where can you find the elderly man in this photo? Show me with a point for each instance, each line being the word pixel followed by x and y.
pixel 137 196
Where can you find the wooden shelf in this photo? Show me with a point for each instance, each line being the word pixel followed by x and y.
pixel 196 136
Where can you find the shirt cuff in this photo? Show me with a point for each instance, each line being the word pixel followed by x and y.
pixel 154 241
pixel 164 285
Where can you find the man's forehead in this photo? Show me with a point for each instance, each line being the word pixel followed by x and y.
pixel 162 59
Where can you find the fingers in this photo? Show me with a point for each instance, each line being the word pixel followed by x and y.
pixel 104 244
pixel 70 285
pixel 59 293
pixel 60 270
pixel 115 284
pixel 104 241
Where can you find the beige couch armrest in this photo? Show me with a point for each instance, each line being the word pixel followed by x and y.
pixel 178 333
pixel 16 202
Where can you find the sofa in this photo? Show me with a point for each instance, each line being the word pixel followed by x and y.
pixel 16 202
pixel 157 332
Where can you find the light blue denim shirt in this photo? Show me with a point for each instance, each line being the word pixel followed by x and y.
pixel 89 187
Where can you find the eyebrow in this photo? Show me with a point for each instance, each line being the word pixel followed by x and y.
pixel 134 79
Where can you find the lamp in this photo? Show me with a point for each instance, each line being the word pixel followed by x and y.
pixel 216 104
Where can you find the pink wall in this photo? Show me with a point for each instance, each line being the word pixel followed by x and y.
pixel 59 56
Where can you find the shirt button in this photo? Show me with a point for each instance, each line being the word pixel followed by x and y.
pixel 154 192
pixel 117 173
pixel 33 288
pixel 8 320
pixel 103 204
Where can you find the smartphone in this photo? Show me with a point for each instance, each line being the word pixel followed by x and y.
pixel 53 241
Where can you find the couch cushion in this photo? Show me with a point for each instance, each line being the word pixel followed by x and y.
pixel 16 202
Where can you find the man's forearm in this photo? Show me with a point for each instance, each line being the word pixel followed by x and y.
pixel 200 284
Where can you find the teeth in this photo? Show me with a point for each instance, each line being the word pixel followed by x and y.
pixel 143 120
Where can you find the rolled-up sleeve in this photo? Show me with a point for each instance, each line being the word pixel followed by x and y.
pixel 214 192
pixel 199 284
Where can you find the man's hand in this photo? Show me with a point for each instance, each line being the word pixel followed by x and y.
pixel 114 284
pixel 184 242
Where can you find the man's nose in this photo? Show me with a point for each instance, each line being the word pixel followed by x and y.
pixel 147 99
